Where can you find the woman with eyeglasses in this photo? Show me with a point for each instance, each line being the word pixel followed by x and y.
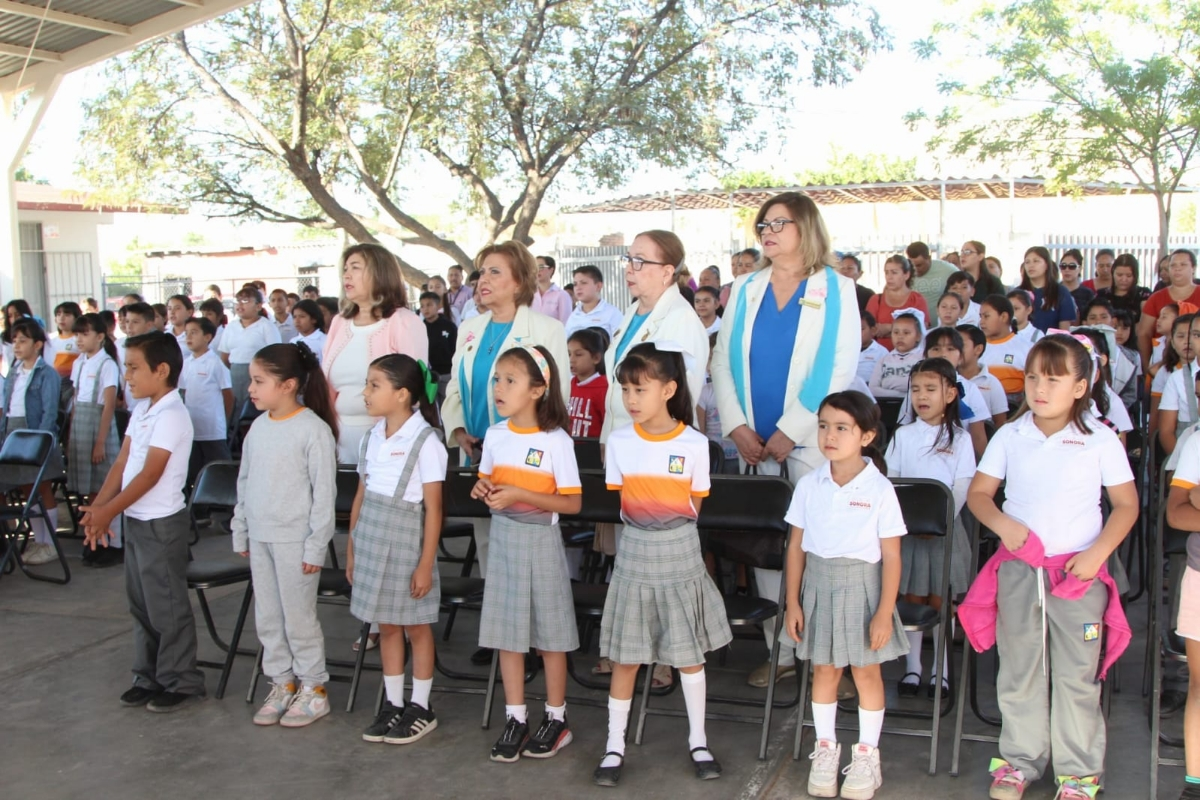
pixel 1180 288
pixel 1053 305
pixel 790 336
pixel 1070 267
pixel 659 313
pixel 973 255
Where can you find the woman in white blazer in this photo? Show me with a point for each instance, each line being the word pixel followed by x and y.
pixel 507 282
pixel 768 394
pixel 659 313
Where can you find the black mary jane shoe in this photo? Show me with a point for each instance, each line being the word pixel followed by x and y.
pixel 609 776
pixel 705 770
pixel 905 689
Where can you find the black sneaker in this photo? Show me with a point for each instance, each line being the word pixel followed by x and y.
pixel 510 744
pixel 139 696
pixel 552 735
pixel 168 702
pixel 482 657
pixel 106 557
pixel 415 723
pixel 388 716
pixel 1191 791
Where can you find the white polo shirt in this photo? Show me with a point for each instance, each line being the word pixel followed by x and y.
pixel 1158 384
pixel 1053 483
pixel 971 396
pixel 165 425
pixel 287 328
pixel 992 392
pixel 714 328
pixel 604 315
pixel 86 372
pixel 1117 413
pixel 846 521
pixel 915 452
pixel 315 342
pixel 387 456
pixel 240 343
pixel 1176 389
pixel 203 381
pixel 867 358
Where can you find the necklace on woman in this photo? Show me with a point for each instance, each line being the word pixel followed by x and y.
pixel 495 333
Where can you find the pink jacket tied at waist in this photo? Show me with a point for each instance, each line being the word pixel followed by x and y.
pixel 978 611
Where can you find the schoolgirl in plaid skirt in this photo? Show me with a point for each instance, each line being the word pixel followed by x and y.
pixel 395 526
pixel 527 477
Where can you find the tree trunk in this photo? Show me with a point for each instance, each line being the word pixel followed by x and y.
pixel 1164 221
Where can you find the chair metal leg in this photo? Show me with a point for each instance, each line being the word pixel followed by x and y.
pixel 645 705
pixel 358 666
pixel 232 652
pixel 939 653
pixel 62 556
pixel 769 706
pixel 254 675
pixel 963 677
pixel 805 671
pixel 490 697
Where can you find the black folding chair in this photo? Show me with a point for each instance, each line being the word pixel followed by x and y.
pixel 751 508
pixel 25 449
pixel 928 510
pixel 889 410
pixel 216 490
pixel 1163 644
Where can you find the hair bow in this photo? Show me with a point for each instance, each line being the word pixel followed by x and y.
pixel 431 384
pixel 1086 341
pixel 672 346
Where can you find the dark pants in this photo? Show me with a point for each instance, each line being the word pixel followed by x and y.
pixel 204 452
pixel 164 629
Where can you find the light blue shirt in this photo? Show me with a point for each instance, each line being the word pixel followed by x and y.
pixel 635 325
pixel 480 417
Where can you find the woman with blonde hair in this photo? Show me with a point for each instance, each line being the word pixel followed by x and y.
pixel 375 321
pixel 767 394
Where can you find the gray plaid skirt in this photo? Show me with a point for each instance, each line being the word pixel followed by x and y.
pixel 83 476
pixel 924 557
pixel 527 600
pixel 387 548
pixel 662 607
pixel 23 476
pixel 839 596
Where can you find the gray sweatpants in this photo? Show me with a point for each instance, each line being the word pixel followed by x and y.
pixel 285 613
pixel 164 629
pixel 1066 723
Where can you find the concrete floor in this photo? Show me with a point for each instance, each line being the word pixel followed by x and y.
pixel 64 662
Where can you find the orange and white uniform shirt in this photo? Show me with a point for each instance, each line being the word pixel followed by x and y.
pixel 1005 358
pixel 657 475
pixel 529 458
pixel 64 352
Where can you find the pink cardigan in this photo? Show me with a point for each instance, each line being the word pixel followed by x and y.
pixel 977 613
pixel 403 332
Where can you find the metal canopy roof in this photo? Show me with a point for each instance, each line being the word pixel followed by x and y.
pixel 893 192
pixel 40 38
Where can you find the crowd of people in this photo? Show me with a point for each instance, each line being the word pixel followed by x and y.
pixel 791 367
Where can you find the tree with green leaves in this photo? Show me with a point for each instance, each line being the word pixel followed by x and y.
pixel 321 113
pixel 1081 89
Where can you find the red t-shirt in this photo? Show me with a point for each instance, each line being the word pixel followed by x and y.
pixel 1162 298
pixel 882 312
pixel 587 406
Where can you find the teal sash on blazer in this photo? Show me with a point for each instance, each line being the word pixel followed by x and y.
pixel 816 387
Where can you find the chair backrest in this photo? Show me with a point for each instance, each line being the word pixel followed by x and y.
pixel 742 519
pixel 347 488
pixel 587 454
pixel 599 504
pixel 26 447
pixel 456 494
pixel 927 506
pixel 889 410
pixel 716 457
pixel 216 485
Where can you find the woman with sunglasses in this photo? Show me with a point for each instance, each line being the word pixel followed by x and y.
pixel 790 336
pixel 658 313
pixel 1053 305
pixel 1070 267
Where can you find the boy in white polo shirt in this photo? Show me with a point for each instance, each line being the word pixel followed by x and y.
pixel 146 484
pixel 208 395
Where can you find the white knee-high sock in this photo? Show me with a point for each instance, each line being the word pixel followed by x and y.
pixel 393 686
pixel 870 725
pixel 41 533
pixel 618 719
pixel 825 720
pixel 695 688
pixel 420 691
pixel 912 661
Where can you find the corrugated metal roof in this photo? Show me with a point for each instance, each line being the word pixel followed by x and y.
pixel 20 30
pixel 891 192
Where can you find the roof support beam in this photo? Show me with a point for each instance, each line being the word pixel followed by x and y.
pixel 984 188
pixel 63 18
pixel 33 54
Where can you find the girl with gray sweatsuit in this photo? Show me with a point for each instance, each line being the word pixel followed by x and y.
pixel 283 521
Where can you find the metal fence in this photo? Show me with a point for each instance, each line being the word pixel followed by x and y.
pixel 1144 248
pixel 114 288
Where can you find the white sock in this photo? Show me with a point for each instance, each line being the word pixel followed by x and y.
pixel 41 535
pixel 393 686
pixel 618 718
pixel 694 697
pixel 420 692
pixel 870 724
pixel 558 713
pixel 519 713
pixel 912 662
pixel 825 720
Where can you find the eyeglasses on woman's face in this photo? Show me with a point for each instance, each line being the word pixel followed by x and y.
pixel 776 225
pixel 638 263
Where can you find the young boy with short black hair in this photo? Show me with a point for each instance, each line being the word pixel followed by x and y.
pixel 208 396
pixel 146 485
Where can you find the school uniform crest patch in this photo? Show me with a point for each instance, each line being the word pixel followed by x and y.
pixel 675 465
pixel 1008 359
pixel 534 458
pixel 1091 631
